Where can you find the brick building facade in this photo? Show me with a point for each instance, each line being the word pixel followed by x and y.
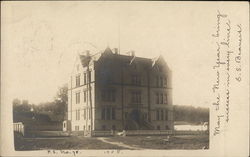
pixel 114 91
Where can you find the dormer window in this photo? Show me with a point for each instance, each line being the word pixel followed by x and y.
pixel 159 68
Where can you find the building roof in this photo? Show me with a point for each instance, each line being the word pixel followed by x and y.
pixel 125 59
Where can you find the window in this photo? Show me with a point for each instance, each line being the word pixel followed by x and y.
pixel 113 113
pixel 162 114
pixel 77 80
pixel 160 81
pixel 166 114
pixel 113 127
pixel 85 96
pixel 167 128
pixel 77 97
pixel 161 98
pixel 89 76
pixel 103 127
pixel 166 99
pixel 136 80
pixel 78 114
pixel 165 81
pixel 157 115
pixel 84 114
pixel 157 81
pixel 145 116
pixel 108 95
pixel 126 115
pixel 89 127
pixel 157 98
pixel 89 113
pixel 76 128
pixel 84 127
pixel 158 127
pixel 103 113
pixel 108 113
pixel 136 97
pixel 85 78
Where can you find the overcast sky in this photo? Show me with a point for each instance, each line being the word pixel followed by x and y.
pixel 41 40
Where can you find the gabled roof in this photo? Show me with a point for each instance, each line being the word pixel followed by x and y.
pixel 108 50
pixel 158 59
pixel 123 59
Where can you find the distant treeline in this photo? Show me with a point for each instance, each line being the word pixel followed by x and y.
pixel 191 114
pixel 56 110
pixel 53 111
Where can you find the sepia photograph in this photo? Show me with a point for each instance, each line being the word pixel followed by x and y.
pixel 123 76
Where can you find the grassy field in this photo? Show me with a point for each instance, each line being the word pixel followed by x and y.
pixel 60 143
pixel 158 142
pixel 144 142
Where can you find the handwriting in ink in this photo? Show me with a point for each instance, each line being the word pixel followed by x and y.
pixel 219 16
pixel 218 59
pixel 217 129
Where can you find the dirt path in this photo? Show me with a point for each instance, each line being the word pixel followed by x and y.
pixel 117 143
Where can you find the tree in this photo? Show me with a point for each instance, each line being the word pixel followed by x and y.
pixel 16 102
pixel 22 106
pixel 191 114
pixel 61 101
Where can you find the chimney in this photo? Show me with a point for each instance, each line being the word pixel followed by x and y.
pixel 87 53
pixel 132 53
pixel 116 50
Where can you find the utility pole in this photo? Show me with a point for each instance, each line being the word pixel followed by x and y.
pixel 122 95
pixel 71 102
pixel 90 98
pixel 149 101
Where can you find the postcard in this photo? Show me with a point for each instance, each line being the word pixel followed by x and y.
pixel 119 78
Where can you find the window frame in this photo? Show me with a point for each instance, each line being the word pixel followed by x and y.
pixel 84 78
pixel 136 97
pixel 78 97
pixel 78 80
pixel 108 95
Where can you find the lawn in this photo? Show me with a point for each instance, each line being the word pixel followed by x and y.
pixel 60 143
pixel 159 142
pixel 144 142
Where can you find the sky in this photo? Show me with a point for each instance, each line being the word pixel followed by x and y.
pixel 40 41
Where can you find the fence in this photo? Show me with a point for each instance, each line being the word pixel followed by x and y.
pixel 148 132
pixel 159 132
pixel 18 127
pixel 47 133
pixel 102 133
pixel 99 133
pixel 189 132
pixel 52 126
